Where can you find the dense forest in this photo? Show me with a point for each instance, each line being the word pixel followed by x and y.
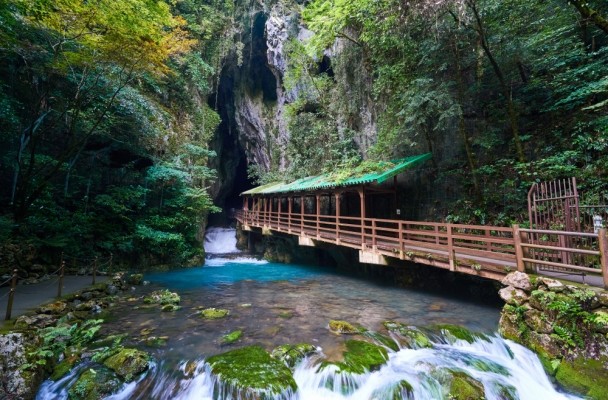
pixel 109 110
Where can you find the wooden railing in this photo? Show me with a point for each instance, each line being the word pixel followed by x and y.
pixel 487 251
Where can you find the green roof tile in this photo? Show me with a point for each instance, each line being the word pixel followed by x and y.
pixel 328 181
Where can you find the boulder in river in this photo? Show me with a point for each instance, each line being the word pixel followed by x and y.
pixel 214 313
pixel 293 354
pixel 250 372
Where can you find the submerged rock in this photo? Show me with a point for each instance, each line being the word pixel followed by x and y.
pixel 293 354
pixel 251 371
pixel 214 313
pixel 128 363
pixel 162 297
pixel 343 328
pixel 170 307
pixel 399 391
pixel 231 337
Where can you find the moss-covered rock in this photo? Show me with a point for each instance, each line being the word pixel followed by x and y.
pixel 128 363
pixel 343 328
pixel 382 340
pixel 214 313
pixel 135 279
pixel 400 390
pixel 162 297
pixel 464 387
pixel 361 357
pixel 62 368
pixel 252 370
pixel 460 333
pixel 293 354
pixel 94 384
pixel 170 307
pixel 231 337
pixel 410 336
pixel 584 376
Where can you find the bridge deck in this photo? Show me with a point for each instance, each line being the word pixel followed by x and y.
pixel 486 251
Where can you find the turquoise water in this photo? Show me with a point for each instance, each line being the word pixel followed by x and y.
pixel 224 271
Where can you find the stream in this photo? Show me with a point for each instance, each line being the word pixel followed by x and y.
pixel 276 304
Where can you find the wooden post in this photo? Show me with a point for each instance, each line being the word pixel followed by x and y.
pixel 302 215
pixel 362 205
pixel 374 242
pixel 61 271
pixel 401 244
pixel 94 270
pixel 318 199
pixel 337 197
pixel 279 214
pixel 289 211
pixel 518 239
pixel 11 296
pixel 603 245
pixel 451 255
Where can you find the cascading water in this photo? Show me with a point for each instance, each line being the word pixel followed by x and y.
pixel 220 241
pixel 505 369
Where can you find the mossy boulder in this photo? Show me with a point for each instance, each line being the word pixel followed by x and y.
pixel 343 327
pixel 162 297
pixel 252 372
pixel 464 387
pixel 214 313
pixel 128 363
pixel 293 354
pixel 135 279
pixel 361 357
pixel 94 384
pixel 170 307
pixel 402 390
pixel 411 337
pixel 231 337
pixel 63 368
pixel 585 376
pixel 454 332
pixel 383 340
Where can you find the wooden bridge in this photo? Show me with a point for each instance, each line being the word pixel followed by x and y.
pixel 486 251
pixel 317 210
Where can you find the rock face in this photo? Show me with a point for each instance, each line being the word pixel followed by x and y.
pixel 16 383
pixel 565 325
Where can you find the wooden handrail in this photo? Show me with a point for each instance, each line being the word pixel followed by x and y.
pixel 489 246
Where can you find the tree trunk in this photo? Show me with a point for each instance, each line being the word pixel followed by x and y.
pixel 590 14
pixel 506 92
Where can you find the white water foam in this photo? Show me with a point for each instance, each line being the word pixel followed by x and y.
pixel 500 365
pixel 220 241
pixel 220 262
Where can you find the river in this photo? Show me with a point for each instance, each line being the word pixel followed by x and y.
pixel 275 304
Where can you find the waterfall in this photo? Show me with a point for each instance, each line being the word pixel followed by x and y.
pixel 220 241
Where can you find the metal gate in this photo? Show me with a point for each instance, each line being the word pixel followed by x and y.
pixel 554 205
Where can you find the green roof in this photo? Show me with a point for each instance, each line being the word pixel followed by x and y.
pixel 329 180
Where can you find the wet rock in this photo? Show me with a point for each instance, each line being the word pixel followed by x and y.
pixel 410 336
pixel 544 344
pixel 460 333
pixel 128 363
pixel 112 290
pixel 585 376
pixel 231 337
pixel 464 387
pixel 512 295
pixel 343 328
pixel 95 383
pixel 401 390
pixel 57 307
pixel 518 280
pixel 156 341
pixel 361 357
pixel 36 321
pixel 538 321
pixel 251 370
pixel 508 326
pixel 214 313
pixel 170 307
pixel 162 297
pixel 16 383
pixel 552 284
pixel 135 279
pixel 293 354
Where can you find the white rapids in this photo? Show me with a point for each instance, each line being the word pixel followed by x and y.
pixel 505 369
